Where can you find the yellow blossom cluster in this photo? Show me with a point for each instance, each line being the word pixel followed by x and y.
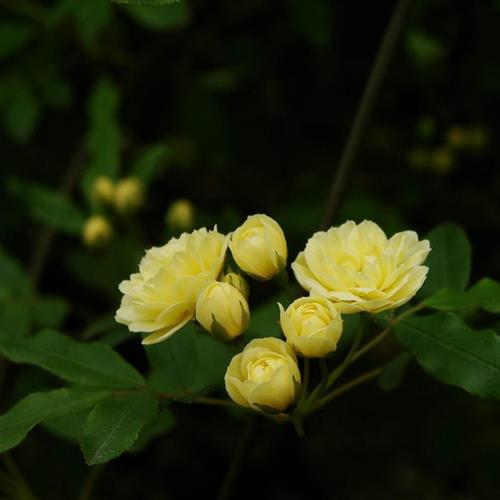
pixel 347 269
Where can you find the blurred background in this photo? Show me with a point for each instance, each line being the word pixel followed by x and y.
pixel 240 108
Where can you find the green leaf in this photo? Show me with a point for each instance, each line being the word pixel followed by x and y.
pixel 453 353
pixel 113 426
pixel 164 423
pixel 312 20
pixel 424 48
pixel 50 312
pixel 15 319
pixel 104 139
pixel 22 112
pixel 149 162
pixel 48 206
pixel 448 300
pixel 146 2
pixel 33 409
pixel 394 372
pixel 13 36
pixel 449 260
pixel 67 427
pixel 264 320
pixel 14 281
pixel 92 364
pixel 174 15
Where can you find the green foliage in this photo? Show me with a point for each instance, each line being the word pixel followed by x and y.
pixel 91 364
pixel 264 319
pixel 164 423
pixel 33 409
pixel 449 260
pixel 49 312
pixel 453 353
pixel 394 372
pixel 147 2
pixel 149 162
pixel 13 37
pixel 49 207
pixel 14 282
pixel 424 49
pixel 174 15
pixel 113 426
pixel 312 20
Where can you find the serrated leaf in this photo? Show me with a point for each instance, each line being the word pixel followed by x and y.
pixel 149 162
pixel 113 426
pixel 453 353
pixel 394 372
pixel 33 409
pixel 91 364
pixel 164 423
pixel 449 260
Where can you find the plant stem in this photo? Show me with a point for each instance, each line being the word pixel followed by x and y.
pixel 197 400
pixel 382 335
pixel 347 387
pixel 362 117
pixel 90 482
pixel 20 483
pixel 225 491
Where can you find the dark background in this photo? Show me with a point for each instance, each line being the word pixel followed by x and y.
pixel 254 99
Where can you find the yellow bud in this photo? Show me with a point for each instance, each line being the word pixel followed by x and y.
pixel 456 137
pixel 265 376
pixel 222 310
pixel 180 215
pixel 312 326
pixel 129 195
pixel 103 190
pixel 97 231
pixel 259 247
pixel 238 281
pixel 442 159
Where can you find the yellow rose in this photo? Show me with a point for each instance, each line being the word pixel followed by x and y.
pixel 161 297
pixel 238 281
pixel 259 247
pixel 180 215
pixel 265 376
pixel 222 310
pixel 129 195
pixel 97 231
pixel 103 190
pixel 358 268
pixel 312 326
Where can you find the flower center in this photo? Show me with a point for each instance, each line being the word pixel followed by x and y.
pixel 262 370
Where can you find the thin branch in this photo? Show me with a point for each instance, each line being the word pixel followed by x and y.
pixel 197 400
pixel 87 490
pixel 362 117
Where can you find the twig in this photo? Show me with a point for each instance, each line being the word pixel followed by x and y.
pixel 225 491
pixel 90 481
pixel 364 111
pixel 199 400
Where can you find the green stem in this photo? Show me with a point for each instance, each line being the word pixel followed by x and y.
pixel 16 476
pixel 91 479
pixel 347 387
pixel 366 105
pixel 385 332
pixel 197 400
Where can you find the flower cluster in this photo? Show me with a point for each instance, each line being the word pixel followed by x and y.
pixel 347 269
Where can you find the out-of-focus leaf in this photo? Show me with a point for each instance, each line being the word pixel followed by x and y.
pixel 161 425
pixel 449 260
pixel 424 48
pixel 49 312
pixel 171 16
pixel 104 139
pixel 33 409
pixel 394 372
pixel 147 2
pixel 49 207
pixel 22 111
pixel 312 20
pixel 92 364
pixel 13 36
pixel 14 281
pixel 15 319
pixel 113 426
pixel 453 353
pixel 149 162
pixel 264 320
pixel 68 427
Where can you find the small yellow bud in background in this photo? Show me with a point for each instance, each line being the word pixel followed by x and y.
pixel 238 281
pixel 97 231
pixel 222 310
pixel 456 137
pixel 103 190
pixel 265 376
pixel 259 247
pixel 312 326
pixel 129 195
pixel 180 215
pixel 442 159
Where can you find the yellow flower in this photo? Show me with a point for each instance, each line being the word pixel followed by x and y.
pixel 312 326
pixel 180 215
pixel 265 376
pixel 222 310
pixel 238 281
pixel 259 247
pixel 129 195
pixel 97 231
pixel 358 268
pixel 103 190
pixel 161 297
